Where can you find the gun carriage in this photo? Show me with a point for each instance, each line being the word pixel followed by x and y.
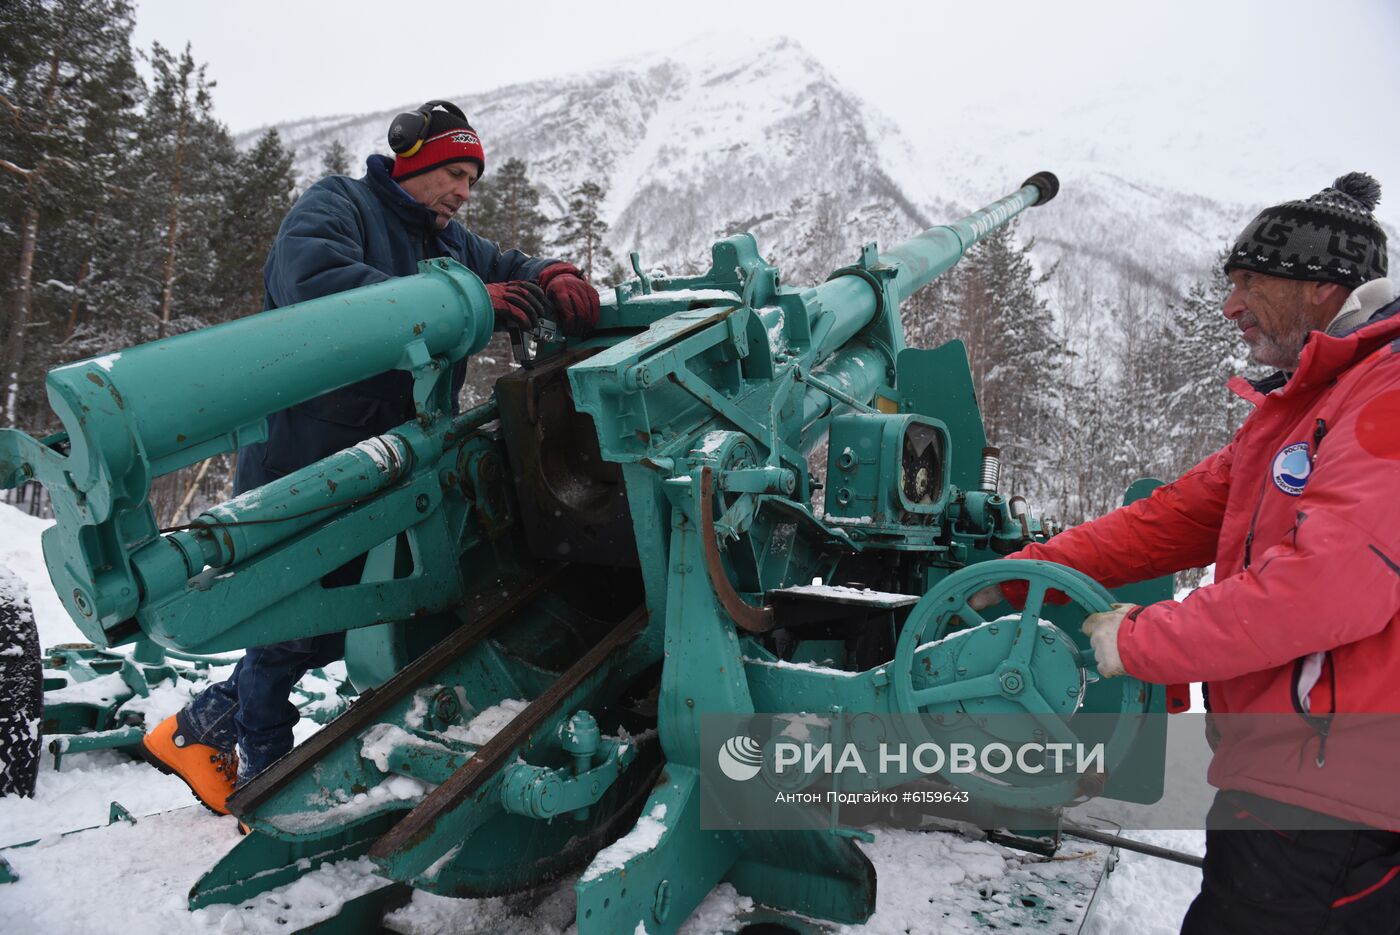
pixel 620 542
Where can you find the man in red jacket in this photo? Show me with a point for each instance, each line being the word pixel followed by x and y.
pixel 1301 515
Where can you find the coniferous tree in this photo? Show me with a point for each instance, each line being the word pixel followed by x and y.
pixel 1086 473
pixel 68 88
pixel 1144 377
pixel 582 228
pixel 1207 351
pixel 116 297
pixel 189 157
pixel 992 302
pixel 504 208
pixel 482 213
pixel 617 273
pixel 258 198
pixel 118 220
pixel 336 159
pixel 522 226
pixel 825 246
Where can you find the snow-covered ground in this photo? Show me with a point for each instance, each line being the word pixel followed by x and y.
pixel 134 879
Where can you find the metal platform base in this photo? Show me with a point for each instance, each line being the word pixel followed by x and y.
pixel 1053 896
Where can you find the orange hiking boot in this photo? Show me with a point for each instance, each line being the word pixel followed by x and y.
pixel 209 773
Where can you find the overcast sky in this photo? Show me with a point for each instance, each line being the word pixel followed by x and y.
pixel 1321 77
pixel 280 59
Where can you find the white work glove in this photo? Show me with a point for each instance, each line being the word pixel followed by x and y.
pixel 986 597
pixel 1102 630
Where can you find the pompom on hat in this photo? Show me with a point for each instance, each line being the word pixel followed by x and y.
pixel 1330 237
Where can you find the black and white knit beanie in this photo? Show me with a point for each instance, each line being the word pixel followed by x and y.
pixel 1330 237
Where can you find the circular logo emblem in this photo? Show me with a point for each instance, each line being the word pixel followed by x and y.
pixel 740 758
pixel 1291 468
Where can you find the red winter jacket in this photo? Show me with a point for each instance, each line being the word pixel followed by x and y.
pixel 1301 515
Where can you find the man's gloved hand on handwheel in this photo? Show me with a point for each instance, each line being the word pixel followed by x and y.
pixel 986 597
pixel 517 303
pixel 573 296
pixel 1102 630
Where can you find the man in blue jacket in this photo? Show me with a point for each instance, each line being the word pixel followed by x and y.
pixel 342 234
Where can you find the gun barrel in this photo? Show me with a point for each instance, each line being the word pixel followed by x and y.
pixel 918 261
pixel 926 256
pixel 176 392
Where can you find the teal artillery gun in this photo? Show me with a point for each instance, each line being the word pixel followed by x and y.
pixel 560 584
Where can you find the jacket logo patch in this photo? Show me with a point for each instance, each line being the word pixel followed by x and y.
pixel 1291 468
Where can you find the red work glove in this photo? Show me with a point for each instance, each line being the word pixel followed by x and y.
pixel 570 293
pixel 516 303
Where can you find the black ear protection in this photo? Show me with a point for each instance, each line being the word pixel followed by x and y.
pixel 408 131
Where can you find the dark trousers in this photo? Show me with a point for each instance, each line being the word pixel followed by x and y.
pixel 252 708
pixel 1261 876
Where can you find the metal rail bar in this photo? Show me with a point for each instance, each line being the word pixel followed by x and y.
pixel 493 755
pixel 374 702
pixel 1128 844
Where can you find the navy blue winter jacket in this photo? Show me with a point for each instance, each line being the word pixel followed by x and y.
pixel 342 234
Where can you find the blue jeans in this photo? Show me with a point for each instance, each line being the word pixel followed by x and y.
pixel 252 708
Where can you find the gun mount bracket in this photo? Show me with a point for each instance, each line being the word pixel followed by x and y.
pixel 873 278
pixel 748 617
pixel 571 499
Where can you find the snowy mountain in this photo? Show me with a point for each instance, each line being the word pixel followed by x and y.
pixel 722 136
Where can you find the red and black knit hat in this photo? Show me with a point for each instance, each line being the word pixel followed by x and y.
pixel 447 138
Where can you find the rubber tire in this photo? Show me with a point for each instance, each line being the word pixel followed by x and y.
pixel 21 689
